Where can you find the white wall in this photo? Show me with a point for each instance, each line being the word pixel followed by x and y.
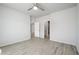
pixel 14 26
pixel 78 29
pixel 62 27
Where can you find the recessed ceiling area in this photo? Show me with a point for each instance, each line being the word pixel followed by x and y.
pixel 49 8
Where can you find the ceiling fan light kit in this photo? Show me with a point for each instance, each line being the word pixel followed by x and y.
pixel 35 8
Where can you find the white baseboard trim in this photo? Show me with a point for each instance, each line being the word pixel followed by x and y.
pixel 64 42
pixel 25 38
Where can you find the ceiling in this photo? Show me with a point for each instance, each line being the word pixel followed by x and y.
pixel 49 8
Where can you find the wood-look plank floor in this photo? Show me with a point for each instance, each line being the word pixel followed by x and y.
pixel 37 46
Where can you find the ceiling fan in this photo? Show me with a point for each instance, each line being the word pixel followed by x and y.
pixel 35 6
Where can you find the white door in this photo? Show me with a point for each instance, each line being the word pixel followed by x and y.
pixel 36 29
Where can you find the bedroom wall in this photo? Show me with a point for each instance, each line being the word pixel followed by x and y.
pixel 14 26
pixel 77 28
pixel 62 26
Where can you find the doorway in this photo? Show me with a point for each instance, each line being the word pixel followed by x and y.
pixel 35 29
pixel 47 30
pixel 32 31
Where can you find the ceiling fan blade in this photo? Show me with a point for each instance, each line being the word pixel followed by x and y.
pixel 38 5
pixel 41 8
pixel 30 8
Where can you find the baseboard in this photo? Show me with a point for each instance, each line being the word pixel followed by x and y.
pixel 25 38
pixel 64 42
